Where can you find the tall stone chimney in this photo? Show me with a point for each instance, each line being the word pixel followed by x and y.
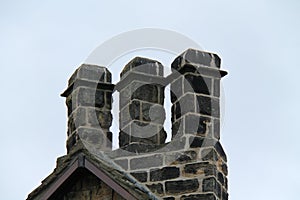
pixel 141 105
pixel 193 164
pixel 89 102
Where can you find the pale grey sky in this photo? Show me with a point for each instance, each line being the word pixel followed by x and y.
pixel 42 43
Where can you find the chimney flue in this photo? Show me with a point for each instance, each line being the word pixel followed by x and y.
pixel 89 101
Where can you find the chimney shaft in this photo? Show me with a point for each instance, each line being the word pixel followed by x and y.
pixel 141 104
pixel 89 99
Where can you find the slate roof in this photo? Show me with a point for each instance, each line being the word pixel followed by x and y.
pixel 101 166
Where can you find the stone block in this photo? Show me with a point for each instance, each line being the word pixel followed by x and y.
pixel 143 65
pixel 187 104
pixel 165 173
pixel 174 158
pixel 216 131
pixel 146 92
pixel 91 73
pixel 124 138
pixel 198 142
pixel 177 129
pixel 208 106
pixel 140 129
pixel 220 178
pixel 181 186
pixel 198 197
pixel 146 162
pixel 140 176
pixel 176 89
pixel 123 163
pixel 197 84
pixel 209 154
pixel 196 124
pixel 134 110
pixel 169 198
pixel 202 168
pixel 77 119
pixel 220 151
pixel 216 87
pixel 211 185
pixel 156 188
pixel 196 57
pixel 98 118
pixel 95 137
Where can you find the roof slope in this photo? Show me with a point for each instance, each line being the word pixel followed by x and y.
pixel 98 164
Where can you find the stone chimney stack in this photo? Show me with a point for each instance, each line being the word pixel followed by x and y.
pixel 141 105
pixel 193 164
pixel 89 101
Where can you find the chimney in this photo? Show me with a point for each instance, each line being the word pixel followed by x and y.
pixel 141 112
pixel 193 164
pixel 89 101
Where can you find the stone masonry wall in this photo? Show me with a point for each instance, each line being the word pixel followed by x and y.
pixel 193 165
pixel 89 101
pixel 89 187
pixel 141 104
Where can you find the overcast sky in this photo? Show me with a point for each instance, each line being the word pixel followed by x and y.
pixel 41 44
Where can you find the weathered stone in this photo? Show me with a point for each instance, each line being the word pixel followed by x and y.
pixel 146 162
pixel 180 157
pixel 197 84
pixel 196 124
pixel 156 188
pixel 220 178
pixel 154 113
pixel 95 137
pixel 176 89
pixel 98 118
pixel 169 198
pixel 220 151
pixel 177 129
pixel 211 185
pixel 209 154
pixel 224 169
pixel 140 147
pixel 196 142
pixel 140 176
pixel 198 197
pixel 181 186
pixel 124 117
pixel 175 144
pixel 216 88
pixel 77 119
pixel 140 129
pixel 224 195
pixel 92 73
pixel 177 110
pixel 124 138
pixel 216 133
pixel 143 65
pixel 123 163
pixel 187 104
pixel 134 110
pixel 165 173
pixel 196 58
pixel 202 168
pixel 208 106
pixel 125 96
pixel 146 92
